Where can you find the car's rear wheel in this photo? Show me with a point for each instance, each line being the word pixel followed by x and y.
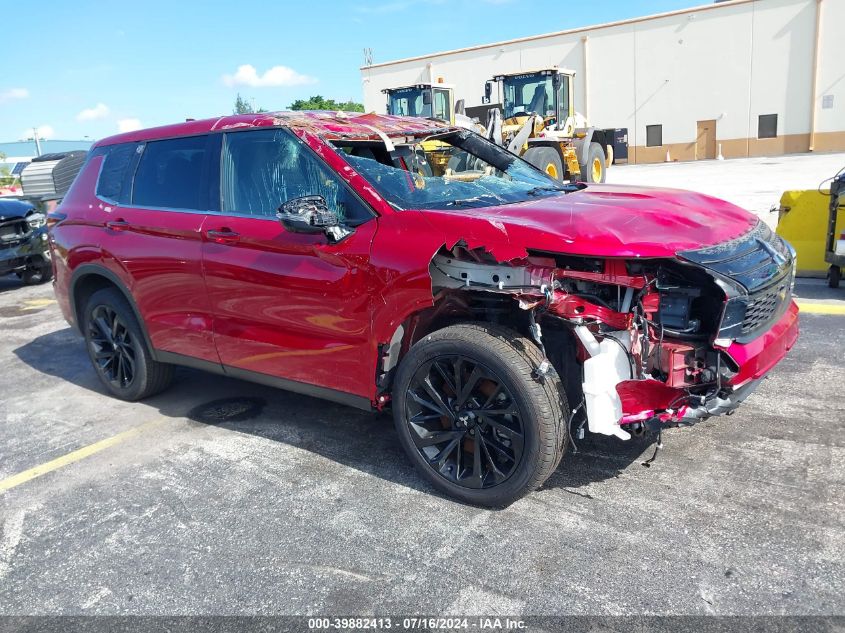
pixel 475 417
pixel 117 349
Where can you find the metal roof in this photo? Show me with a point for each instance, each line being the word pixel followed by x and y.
pixel 580 29
pixel 26 149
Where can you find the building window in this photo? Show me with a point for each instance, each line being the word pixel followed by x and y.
pixel 653 135
pixel 767 126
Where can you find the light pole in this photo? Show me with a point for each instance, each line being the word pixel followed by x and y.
pixel 37 142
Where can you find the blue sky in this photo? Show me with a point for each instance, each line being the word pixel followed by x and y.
pixel 85 68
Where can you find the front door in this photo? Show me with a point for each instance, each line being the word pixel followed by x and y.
pixel 705 143
pixel 288 305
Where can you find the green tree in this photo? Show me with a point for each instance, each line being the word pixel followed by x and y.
pixel 6 177
pixel 318 102
pixel 242 106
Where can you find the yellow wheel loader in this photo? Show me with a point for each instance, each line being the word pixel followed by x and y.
pixel 432 101
pixel 538 121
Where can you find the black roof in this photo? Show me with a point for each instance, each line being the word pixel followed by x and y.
pixel 58 156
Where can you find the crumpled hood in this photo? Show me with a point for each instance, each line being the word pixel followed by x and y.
pixel 14 209
pixel 600 220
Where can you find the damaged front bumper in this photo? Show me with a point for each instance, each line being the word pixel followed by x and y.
pixel 648 400
pixel 757 357
pixel 28 250
pixel 657 341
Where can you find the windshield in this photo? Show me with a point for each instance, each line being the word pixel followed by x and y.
pixel 409 102
pixel 529 94
pixel 453 170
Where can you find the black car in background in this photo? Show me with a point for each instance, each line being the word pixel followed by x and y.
pixel 23 242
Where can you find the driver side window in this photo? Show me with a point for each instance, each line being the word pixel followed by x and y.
pixel 263 169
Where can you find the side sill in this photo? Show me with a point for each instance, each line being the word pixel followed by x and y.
pixel 315 391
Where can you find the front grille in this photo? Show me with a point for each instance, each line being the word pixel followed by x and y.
pixel 13 233
pixel 759 264
pixel 763 308
pixel 754 260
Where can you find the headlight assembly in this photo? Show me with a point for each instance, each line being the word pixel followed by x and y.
pixel 36 220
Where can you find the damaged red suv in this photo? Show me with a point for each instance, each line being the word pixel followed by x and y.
pixel 383 261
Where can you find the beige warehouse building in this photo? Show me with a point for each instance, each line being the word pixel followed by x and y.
pixel 752 77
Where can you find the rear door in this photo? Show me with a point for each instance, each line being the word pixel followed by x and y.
pixel 155 197
pixel 288 305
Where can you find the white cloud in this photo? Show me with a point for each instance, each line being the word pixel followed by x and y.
pixel 384 7
pixel 44 132
pixel 247 75
pixel 128 125
pixel 13 93
pixel 99 111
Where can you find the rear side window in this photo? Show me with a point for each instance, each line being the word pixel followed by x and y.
pixel 170 174
pixel 115 176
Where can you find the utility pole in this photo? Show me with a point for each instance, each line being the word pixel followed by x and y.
pixel 37 143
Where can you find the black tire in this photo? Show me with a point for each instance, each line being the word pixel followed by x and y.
pixel 595 163
pixel 502 455
pixel 547 160
pixel 36 275
pixel 117 348
pixel 834 276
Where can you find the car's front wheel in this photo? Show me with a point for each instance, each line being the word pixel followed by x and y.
pixel 117 348
pixel 475 416
pixel 36 274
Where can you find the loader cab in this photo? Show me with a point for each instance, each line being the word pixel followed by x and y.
pixel 429 101
pixel 547 93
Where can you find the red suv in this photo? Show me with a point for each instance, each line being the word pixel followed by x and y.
pixel 385 261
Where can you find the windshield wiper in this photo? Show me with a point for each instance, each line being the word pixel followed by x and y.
pixel 536 191
pixel 463 202
pixel 567 188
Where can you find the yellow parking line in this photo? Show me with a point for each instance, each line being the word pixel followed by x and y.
pixel 75 456
pixel 821 308
pixel 36 304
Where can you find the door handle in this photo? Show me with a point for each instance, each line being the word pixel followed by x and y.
pixel 118 225
pixel 222 236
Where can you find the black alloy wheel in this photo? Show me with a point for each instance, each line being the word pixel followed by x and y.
pixel 118 349
pixel 112 348
pixel 464 422
pixel 474 416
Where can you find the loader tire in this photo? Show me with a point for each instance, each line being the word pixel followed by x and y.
pixel 547 160
pixel 595 169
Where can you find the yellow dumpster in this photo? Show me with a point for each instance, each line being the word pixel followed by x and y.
pixel 803 222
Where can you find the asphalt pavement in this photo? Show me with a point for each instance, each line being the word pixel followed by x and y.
pixel 223 497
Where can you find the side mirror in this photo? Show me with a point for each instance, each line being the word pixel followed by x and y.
pixel 311 214
pixel 460 107
pixel 308 214
pixel 426 97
